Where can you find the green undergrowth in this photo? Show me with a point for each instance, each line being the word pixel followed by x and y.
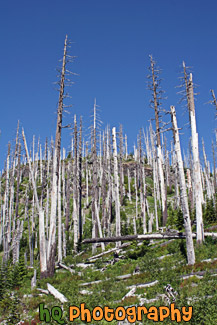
pixel 23 302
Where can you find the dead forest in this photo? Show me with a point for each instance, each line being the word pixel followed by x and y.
pixel 99 196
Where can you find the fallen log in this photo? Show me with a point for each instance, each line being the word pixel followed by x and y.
pixel 144 301
pixel 86 292
pixel 119 277
pixel 107 252
pixel 185 277
pixel 63 266
pixel 130 293
pixel 56 293
pixel 161 244
pixel 46 292
pixel 83 265
pixel 144 285
pixel 209 260
pixel 167 235
pixel 198 274
pixel 92 282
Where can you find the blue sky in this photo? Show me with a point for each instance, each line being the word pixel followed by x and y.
pixel 112 41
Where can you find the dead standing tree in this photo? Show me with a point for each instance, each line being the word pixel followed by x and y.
pixel 154 86
pixel 197 185
pixel 121 164
pixel 103 186
pixel 116 181
pixel 42 243
pixel 96 224
pixel 56 162
pixel 75 186
pixel 5 223
pixel 183 190
pixel 80 226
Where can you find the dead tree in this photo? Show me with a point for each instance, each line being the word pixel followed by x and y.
pixel 16 241
pixel 129 184
pixel 167 235
pixel 156 101
pixel 68 193
pixel 126 153
pixel 80 182
pixel 18 180
pixel 196 162
pixel 147 145
pixel 110 181
pixel 51 252
pixel 75 186
pixel 11 205
pixel 143 203
pixel 136 194
pixel 59 204
pixel 103 186
pixel 155 176
pixel 42 243
pixel 6 228
pixel 121 164
pixel 209 191
pixel 183 191
pixel 116 181
pixel 214 168
pixel 96 224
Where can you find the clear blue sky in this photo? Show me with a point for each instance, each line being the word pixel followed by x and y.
pixel 112 41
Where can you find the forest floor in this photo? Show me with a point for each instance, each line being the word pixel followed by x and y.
pixel 144 268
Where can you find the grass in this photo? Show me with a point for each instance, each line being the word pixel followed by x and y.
pixel 111 291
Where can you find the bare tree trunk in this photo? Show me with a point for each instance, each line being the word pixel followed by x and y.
pixel 103 186
pixel 80 181
pixel 207 174
pixel 59 218
pixel 159 151
pixel 148 151
pixel 30 234
pixel 42 243
pixel 55 173
pixel 117 200
pixel 68 193
pixel 179 235
pixel 86 170
pixel 126 153
pixel 64 182
pixel 6 212
pixel 11 207
pixel 214 168
pixel 94 182
pixel 177 196
pixel 129 184
pixel 136 194
pixel 197 175
pixel 144 202
pixel 109 176
pixel 75 188
pixel 18 180
pixel 155 178
pixel 121 164
pixel 184 200
pixel 64 240
pixel 16 241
